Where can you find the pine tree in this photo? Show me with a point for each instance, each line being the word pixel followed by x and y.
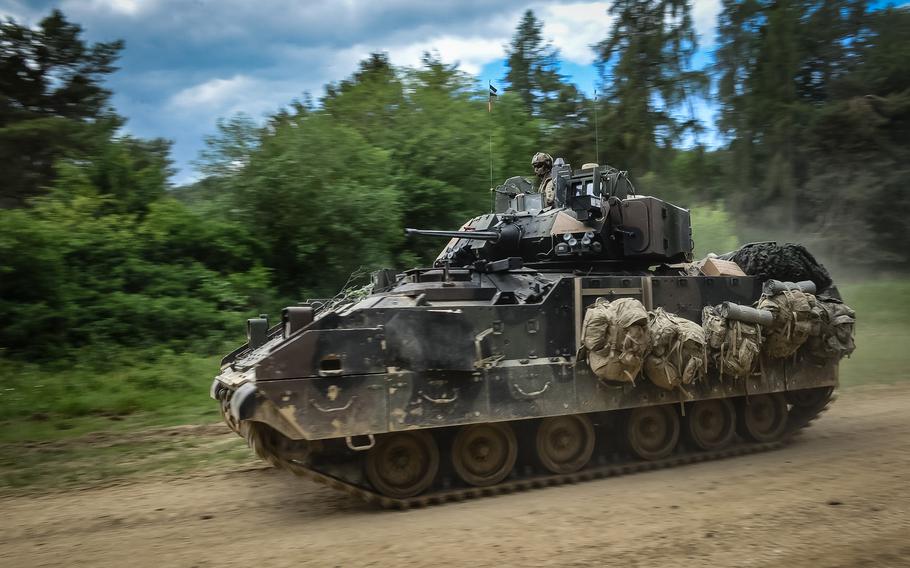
pixel 533 66
pixel 780 63
pixel 52 102
pixel 645 66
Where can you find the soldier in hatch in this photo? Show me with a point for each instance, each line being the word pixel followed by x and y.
pixel 542 164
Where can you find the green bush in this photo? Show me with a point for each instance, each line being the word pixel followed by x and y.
pixel 76 274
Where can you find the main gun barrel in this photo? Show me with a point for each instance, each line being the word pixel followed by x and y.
pixel 473 235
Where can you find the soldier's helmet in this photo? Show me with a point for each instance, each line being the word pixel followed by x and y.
pixel 542 163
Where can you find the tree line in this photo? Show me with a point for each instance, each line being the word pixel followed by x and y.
pixel 97 247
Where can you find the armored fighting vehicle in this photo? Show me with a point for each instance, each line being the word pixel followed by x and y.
pixel 546 344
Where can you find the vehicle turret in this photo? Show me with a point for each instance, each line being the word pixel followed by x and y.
pixel 596 216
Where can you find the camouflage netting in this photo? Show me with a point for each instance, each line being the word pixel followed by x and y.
pixel 795 316
pixel 615 338
pixel 357 287
pixel 733 346
pixel 677 356
pixel 780 262
pixel 832 334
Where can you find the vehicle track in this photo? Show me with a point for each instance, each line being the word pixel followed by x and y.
pixel 798 419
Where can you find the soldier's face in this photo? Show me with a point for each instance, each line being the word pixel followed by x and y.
pixel 541 168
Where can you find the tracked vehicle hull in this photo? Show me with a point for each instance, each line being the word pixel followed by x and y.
pixel 456 383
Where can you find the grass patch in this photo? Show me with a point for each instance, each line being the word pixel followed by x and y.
pixel 117 390
pixel 79 464
pixel 102 415
pixel 882 332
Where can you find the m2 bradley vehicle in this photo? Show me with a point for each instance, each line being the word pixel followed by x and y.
pixel 547 344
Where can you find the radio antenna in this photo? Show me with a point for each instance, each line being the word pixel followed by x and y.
pixel 491 95
pixel 492 195
pixel 596 137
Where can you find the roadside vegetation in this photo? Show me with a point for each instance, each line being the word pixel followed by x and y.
pixel 882 331
pixel 51 401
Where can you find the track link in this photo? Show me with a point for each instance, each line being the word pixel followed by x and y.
pixel 798 419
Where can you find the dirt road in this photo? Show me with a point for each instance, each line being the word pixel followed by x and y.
pixel 837 497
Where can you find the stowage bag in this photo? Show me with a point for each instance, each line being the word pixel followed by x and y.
pixel 615 338
pixel 677 354
pixel 733 345
pixel 832 336
pixel 795 314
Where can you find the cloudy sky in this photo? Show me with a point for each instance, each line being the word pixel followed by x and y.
pixel 188 62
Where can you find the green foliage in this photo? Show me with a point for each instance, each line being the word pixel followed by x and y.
pixel 553 115
pixel 882 331
pixel 102 256
pixel 76 273
pixel 389 148
pixel 515 137
pixel 129 173
pixel 229 151
pixel 343 183
pixel 109 382
pixel 713 230
pixel 689 177
pixel 52 103
pixel 370 101
pixel 532 65
pixel 815 97
pixel 645 59
pixel 76 419
pixel 444 150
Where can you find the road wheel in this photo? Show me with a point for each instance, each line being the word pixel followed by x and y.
pixel 484 454
pixel 403 464
pixel 565 443
pixel 763 417
pixel 652 431
pixel 711 424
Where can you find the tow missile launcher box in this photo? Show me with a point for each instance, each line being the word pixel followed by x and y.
pixel 542 340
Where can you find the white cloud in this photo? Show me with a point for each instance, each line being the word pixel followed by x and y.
pixel 130 8
pixel 472 53
pixel 471 47
pixel 574 28
pixel 214 92
pixel 20 11
pixel 219 97
pixel 127 7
